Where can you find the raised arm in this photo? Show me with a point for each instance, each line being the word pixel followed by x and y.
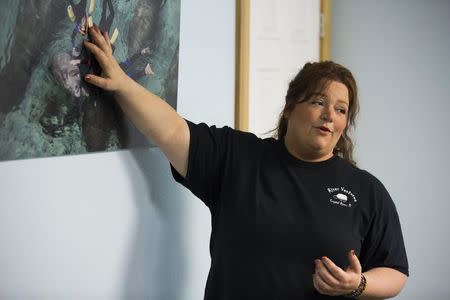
pixel 156 119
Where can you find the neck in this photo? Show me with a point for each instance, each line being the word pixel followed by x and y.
pixel 309 155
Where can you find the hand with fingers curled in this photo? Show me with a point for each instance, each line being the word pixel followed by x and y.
pixel 112 77
pixel 329 279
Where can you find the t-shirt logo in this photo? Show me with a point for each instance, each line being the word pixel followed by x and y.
pixel 341 196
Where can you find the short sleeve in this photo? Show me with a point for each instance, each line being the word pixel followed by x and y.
pixel 383 245
pixel 209 156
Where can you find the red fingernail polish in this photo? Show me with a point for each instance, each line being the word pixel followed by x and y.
pixel 353 252
pixel 87 77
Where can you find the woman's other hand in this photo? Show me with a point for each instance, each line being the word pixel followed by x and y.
pixel 113 78
pixel 331 280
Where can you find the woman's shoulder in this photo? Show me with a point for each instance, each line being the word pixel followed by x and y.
pixel 234 139
pixel 377 193
pixel 368 182
pixel 254 144
pixel 361 173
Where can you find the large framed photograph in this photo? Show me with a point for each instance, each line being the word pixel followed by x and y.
pixel 274 40
pixel 46 108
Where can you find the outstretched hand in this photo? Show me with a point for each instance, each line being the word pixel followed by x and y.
pixel 331 280
pixel 112 78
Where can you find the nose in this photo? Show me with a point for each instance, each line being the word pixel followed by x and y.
pixel 327 114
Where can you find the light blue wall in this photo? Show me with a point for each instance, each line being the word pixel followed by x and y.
pixel 399 52
pixel 115 225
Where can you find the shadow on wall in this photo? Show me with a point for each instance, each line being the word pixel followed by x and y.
pixel 157 265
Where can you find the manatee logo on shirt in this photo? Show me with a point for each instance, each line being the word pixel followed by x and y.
pixel 341 196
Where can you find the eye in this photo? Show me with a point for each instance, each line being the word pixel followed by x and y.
pixel 317 101
pixel 342 111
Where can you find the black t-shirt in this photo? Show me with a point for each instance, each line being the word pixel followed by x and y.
pixel 273 214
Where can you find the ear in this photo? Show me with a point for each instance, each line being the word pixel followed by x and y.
pixel 287 114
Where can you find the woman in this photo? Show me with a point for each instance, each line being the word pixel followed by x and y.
pixel 293 217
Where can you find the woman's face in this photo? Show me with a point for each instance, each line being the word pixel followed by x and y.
pixel 315 125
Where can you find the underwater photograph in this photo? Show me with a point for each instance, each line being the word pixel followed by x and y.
pixel 46 107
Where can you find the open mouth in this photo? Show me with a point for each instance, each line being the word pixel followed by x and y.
pixel 324 129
